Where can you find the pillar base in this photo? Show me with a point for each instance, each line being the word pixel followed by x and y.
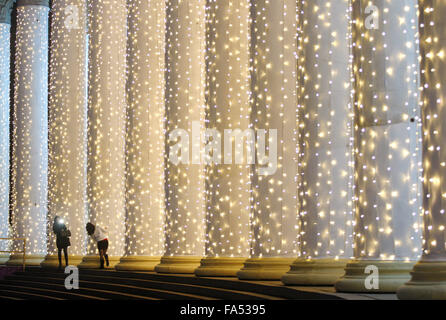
pixel 392 275
pixel 219 267
pixel 4 258
pixel 52 262
pixel 428 282
pixel 265 268
pixel 315 272
pixel 138 263
pixel 93 262
pixel 181 264
pixel 30 260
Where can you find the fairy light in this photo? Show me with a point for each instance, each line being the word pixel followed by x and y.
pixel 185 104
pixel 274 212
pixel 387 132
pixel 30 136
pixel 5 26
pixel 274 101
pixel 68 122
pixel 145 129
pixel 106 120
pixel 433 115
pixel 228 188
pixel 325 131
pixel 427 276
pixel 188 63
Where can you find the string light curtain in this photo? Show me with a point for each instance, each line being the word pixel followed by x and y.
pixel 5 27
pixel 428 277
pixel 107 33
pixel 228 188
pixel 326 145
pixel 30 135
pixel 274 101
pixel 185 116
pixel 387 134
pixel 67 120
pixel 144 243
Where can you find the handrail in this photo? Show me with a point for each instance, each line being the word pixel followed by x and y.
pixel 14 251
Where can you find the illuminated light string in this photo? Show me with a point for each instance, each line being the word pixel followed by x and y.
pixel 67 174
pixel 228 187
pixel 185 108
pixel 274 210
pixel 4 131
pixel 326 168
pixel 30 135
pixel 387 132
pixel 106 120
pixel 145 205
pixel 434 115
pixel 387 154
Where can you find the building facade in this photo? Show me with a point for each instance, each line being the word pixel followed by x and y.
pixel 283 140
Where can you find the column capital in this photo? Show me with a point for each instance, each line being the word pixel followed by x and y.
pixel 44 3
pixel 5 11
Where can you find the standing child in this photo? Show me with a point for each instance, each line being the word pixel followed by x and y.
pixel 100 236
pixel 62 239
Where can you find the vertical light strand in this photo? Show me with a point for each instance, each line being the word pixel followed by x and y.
pixel 5 59
pixel 228 187
pixel 185 113
pixel 67 122
pixel 387 233
pixel 274 216
pixel 428 277
pixel 325 144
pixel 30 136
pixel 145 136
pixel 107 29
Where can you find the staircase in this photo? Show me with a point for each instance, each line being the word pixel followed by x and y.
pixel 38 284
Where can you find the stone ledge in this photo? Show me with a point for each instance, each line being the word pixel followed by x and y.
pixel 138 263
pixel 178 264
pixel 315 272
pixel 219 267
pixel 392 275
pixel 265 268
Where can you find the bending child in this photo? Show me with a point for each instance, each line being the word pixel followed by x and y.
pixel 100 236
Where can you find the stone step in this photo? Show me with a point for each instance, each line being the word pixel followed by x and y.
pixel 37 283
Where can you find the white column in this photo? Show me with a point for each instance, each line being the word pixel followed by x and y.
pixel 145 136
pixel 325 144
pixel 428 277
pixel 387 231
pixel 228 187
pixel 67 122
pixel 5 26
pixel 106 124
pixel 185 114
pixel 30 136
pixel 274 113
